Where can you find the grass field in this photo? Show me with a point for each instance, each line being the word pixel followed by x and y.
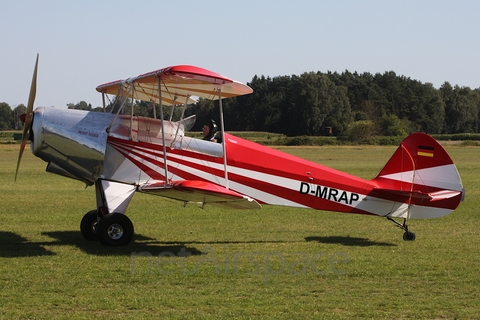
pixel 277 263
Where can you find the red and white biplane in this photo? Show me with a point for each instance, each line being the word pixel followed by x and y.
pixel 121 154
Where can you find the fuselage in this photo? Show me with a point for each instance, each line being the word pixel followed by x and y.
pixel 89 145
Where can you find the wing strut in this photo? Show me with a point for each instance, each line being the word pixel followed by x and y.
pixel 104 103
pixel 173 106
pixel 119 109
pixel 131 113
pixel 223 137
pixel 163 129
pixel 179 121
pixel 154 105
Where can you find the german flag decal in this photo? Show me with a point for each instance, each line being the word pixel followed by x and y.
pixel 425 151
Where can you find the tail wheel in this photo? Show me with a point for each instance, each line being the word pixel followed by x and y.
pixel 115 230
pixel 409 236
pixel 88 225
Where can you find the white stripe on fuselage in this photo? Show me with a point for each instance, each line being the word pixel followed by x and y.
pixel 366 203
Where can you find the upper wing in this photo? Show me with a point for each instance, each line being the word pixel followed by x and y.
pixel 177 82
pixel 200 191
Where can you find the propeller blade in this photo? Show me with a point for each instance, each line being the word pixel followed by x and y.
pixel 29 115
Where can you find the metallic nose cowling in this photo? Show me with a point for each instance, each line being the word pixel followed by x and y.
pixel 73 142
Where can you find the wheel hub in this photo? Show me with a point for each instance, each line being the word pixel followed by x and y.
pixel 93 227
pixel 115 231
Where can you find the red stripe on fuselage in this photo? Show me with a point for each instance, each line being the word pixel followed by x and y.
pixel 255 158
pixel 183 158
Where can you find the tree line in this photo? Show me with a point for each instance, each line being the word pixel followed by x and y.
pixel 345 104
pixel 349 104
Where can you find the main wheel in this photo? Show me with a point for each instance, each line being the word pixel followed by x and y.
pixel 409 236
pixel 88 225
pixel 115 230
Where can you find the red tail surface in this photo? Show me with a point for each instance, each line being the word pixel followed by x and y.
pixel 421 175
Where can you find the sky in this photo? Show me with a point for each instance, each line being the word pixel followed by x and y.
pixel 85 43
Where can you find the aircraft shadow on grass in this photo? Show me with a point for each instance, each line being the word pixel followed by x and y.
pixel 140 243
pixel 13 245
pixel 348 241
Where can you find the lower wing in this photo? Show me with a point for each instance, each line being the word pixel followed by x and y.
pixel 200 192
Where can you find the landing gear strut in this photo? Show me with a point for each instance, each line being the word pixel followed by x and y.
pixel 107 223
pixel 407 235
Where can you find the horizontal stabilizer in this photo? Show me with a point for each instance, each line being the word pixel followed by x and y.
pixel 444 194
pixel 398 195
pixel 200 192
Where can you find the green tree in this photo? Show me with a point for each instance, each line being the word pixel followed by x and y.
pixel 82 105
pixel 314 103
pixel 360 131
pixel 425 108
pixel 6 116
pixel 391 125
pixel 461 108
pixel 204 110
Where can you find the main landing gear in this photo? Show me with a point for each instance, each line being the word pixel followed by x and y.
pixel 107 223
pixel 114 229
pixel 407 235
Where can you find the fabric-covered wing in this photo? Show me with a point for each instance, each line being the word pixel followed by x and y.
pixel 177 83
pixel 201 192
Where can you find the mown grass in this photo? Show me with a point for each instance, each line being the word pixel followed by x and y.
pixel 277 263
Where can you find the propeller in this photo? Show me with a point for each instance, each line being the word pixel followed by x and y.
pixel 28 116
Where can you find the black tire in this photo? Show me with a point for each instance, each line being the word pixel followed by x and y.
pixel 88 225
pixel 409 236
pixel 115 230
